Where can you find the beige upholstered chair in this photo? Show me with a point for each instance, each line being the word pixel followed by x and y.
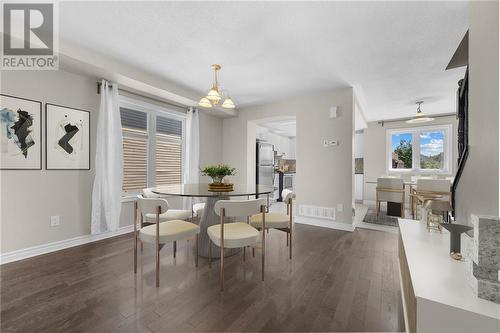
pixel 160 232
pixel 390 190
pixel 278 221
pixel 171 214
pixel 431 188
pixel 236 234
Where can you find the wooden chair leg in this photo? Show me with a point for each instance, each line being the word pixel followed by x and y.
pixel 135 237
pixel 222 266
pixel 135 253
pixel 287 239
pixel 157 266
pixel 244 253
pixel 175 248
pixel 142 245
pixel 290 235
pixel 253 252
pixel 158 212
pixel 263 252
pixel 197 255
pixel 209 253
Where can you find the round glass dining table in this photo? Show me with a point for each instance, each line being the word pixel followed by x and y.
pixel 209 217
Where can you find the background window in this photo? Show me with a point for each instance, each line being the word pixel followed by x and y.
pixel 402 150
pixel 419 149
pixel 432 150
pixel 135 149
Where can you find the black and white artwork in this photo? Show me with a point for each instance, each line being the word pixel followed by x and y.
pixel 68 138
pixel 20 133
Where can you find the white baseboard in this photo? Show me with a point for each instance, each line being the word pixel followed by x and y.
pixel 59 245
pixel 325 223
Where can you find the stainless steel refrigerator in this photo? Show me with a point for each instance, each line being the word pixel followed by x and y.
pixel 264 174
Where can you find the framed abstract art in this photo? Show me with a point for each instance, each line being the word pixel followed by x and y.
pixel 67 132
pixel 20 133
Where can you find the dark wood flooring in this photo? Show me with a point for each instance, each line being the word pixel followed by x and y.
pixel 337 281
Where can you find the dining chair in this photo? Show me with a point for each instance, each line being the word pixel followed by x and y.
pixel 236 234
pixel 198 209
pixel 390 190
pixel 278 221
pixel 160 232
pixel 171 214
pixel 429 188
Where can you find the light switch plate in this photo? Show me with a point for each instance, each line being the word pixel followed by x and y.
pixel 333 142
pixel 333 112
pixel 55 221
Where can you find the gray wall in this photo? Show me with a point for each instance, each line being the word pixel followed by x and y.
pixel 210 141
pixel 375 154
pixel 64 193
pixel 324 175
pixel 478 189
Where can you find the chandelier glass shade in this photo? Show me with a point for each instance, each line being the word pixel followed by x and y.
pixel 215 94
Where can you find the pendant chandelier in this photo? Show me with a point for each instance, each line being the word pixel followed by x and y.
pixel 420 117
pixel 216 94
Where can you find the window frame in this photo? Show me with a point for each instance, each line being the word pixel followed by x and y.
pixel 415 132
pixel 152 111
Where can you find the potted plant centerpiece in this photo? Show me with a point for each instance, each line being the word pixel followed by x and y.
pixel 217 173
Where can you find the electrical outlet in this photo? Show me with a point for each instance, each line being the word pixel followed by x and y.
pixel 325 143
pixel 340 208
pixel 55 221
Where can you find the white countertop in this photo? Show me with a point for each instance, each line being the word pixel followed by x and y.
pixel 437 277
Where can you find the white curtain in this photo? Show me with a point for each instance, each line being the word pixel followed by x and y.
pixel 192 160
pixel 107 191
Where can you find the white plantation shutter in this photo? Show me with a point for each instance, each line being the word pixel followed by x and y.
pixel 135 149
pixel 165 160
pixel 168 151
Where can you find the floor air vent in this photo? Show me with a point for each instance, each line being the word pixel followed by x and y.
pixel 327 213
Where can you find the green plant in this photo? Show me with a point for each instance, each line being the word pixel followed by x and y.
pixel 404 151
pixel 218 171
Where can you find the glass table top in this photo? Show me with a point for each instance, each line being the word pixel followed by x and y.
pixel 201 190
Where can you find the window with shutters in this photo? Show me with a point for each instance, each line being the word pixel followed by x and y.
pixel 135 149
pixel 168 151
pixel 152 145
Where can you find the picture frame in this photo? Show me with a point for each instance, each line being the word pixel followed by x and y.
pixel 67 138
pixel 20 133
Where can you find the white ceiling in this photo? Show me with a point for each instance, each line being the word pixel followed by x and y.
pixel 395 51
pixel 281 127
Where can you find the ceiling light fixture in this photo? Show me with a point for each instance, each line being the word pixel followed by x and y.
pixel 420 117
pixel 215 95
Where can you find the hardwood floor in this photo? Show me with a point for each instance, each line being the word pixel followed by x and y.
pixel 337 281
